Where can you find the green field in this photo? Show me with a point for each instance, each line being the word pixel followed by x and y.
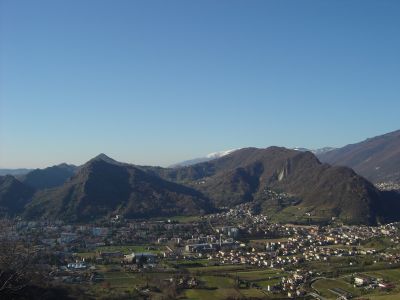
pixel 267 274
pixel 394 296
pixel 221 268
pixel 180 219
pixel 389 275
pixel 216 287
pixel 378 243
pixel 129 249
pixel 219 282
pixel 323 286
pixel 392 275
pixel 219 287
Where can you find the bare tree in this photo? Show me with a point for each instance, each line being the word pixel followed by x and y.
pixel 15 261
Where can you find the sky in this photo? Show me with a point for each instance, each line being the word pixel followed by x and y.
pixel 157 82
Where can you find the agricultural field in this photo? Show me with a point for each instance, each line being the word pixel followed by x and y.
pixel 127 249
pixel 221 287
pixel 237 281
pixel 395 296
pixel 323 286
pixel 218 269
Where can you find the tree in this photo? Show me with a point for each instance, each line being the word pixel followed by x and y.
pixel 15 261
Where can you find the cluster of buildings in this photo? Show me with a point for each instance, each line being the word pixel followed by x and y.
pixel 388 186
pixel 224 238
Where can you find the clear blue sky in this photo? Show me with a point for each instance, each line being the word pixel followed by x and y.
pixel 156 82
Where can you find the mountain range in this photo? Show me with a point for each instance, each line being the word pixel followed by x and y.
pixel 14 172
pixel 290 185
pixel 310 187
pixel 219 154
pixel 208 157
pixel 49 177
pixel 103 188
pixel 377 158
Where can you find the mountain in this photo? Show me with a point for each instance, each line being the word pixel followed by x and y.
pixel 208 157
pixel 288 185
pixel 377 158
pixel 315 151
pixel 14 195
pixel 304 185
pixel 102 188
pixel 322 150
pixel 107 159
pixel 14 172
pixel 219 154
pixel 49 177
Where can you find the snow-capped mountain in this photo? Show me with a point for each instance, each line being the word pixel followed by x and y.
pixel 315 151
pixel 220 153
pixel 208 157
pixel 322 150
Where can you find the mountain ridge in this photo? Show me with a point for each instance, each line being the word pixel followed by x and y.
pixel 323 190
pixel 377 158
pixel 101 189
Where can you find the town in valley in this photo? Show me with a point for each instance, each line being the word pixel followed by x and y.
pixel 234 254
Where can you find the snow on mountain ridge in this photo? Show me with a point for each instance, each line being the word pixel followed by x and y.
pixel 220 153
pixel 206 158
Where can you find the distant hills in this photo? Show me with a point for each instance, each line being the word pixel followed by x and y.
pixel 14 195
pixel 208 157
pixel 377 158
pixel 288 185
pixel 219 154
pixel 103 187
pixel 316 151
pixel 49 177
pixel 14 172
pixel 312 188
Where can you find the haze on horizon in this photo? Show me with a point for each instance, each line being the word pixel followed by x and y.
pixel 158 82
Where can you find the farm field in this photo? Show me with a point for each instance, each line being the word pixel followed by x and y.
pixel 388 275
pixel 323 286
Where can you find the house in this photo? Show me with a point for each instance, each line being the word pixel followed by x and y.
pixel 67 237
pixel 204 247
pixel 78 265
pixel 99 231
pixel 360 280
pixel 144 258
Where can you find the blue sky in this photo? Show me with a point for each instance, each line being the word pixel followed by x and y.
pixel 156 82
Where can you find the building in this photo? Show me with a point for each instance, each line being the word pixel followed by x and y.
pixel 140 258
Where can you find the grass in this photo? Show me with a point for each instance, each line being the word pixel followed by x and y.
pixel 217 294
pixel 115 283
pixel 220 287
pixel 195 263
pixel 269 282
pixel 128 249
pixel 216 287
pixel 392 275
pixel 380 243
pixel 395 296
pixel 222 268
pixel 122 279
pixel 259 275
pixel 297 214
pixel 219 282
pixel 180 219
pixel 323 286
pixel 252 293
